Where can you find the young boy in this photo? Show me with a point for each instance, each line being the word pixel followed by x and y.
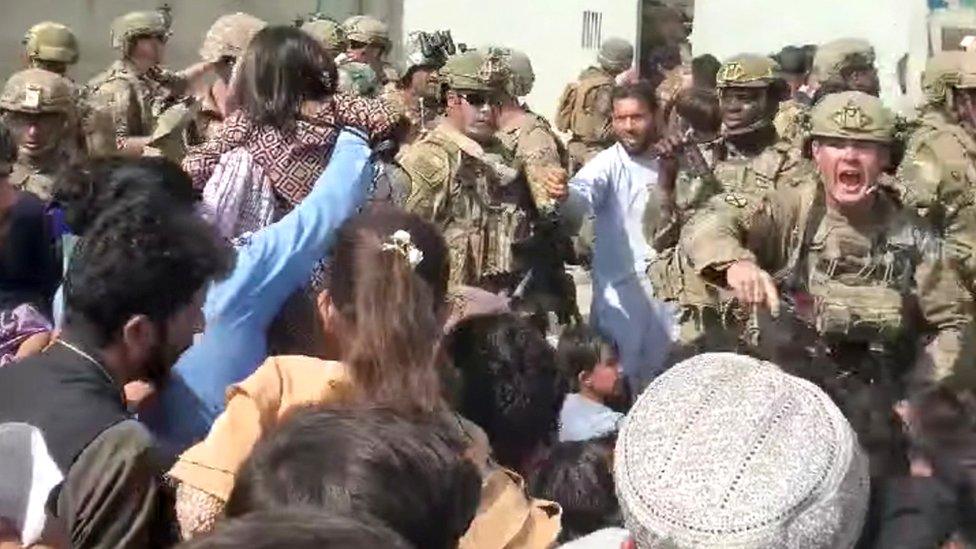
pixel 590 362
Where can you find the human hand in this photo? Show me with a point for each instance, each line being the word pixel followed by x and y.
pixel 556 183
pixel 752 285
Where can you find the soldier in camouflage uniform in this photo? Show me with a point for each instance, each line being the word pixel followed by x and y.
pixel 417 92
pixel 327 32
pixel 53 47
pixel 460 179
pixel 585 106
pixel 368 41
pixel 853 266
pixel 136 90
pixel 223 45
pixel 840 65
pixel 938 173
pixel 38 107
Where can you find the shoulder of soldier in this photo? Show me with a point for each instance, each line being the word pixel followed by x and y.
pixel 115 72
pixel 429 159
pixel 595 74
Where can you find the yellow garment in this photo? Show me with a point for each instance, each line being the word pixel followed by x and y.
pixel 507 518
pixel 255 406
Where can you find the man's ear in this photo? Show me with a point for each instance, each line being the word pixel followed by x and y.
pixel 140 336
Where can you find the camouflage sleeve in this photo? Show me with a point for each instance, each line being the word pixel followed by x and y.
pixel 948 308
pixel 733 227
pixel 201 160
pixel 538 152
pixel 378 117
pixel 429 170
pixel 937 169
pixel 116 98
pixel 604 106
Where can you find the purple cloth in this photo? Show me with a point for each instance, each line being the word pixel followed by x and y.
pixel 16 326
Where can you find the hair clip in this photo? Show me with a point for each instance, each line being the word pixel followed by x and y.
pixel 402 243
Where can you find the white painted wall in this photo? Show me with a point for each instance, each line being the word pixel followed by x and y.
pixel 549 31
pixel 895 27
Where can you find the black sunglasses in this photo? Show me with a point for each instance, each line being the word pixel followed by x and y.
pixel 476 99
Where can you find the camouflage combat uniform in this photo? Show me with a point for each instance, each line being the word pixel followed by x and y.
pixel 136 101
pixel 37 91
pixel 937 176
pixel 53 47
pixel 585 107
pixel 734 177
pixel 829 64
pixel 868 290
pixel 467 189
pixel 369 30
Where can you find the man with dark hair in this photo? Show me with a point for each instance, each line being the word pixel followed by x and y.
pixel 75 461
pixel 619 187
pixel 296 528
pixel 370 454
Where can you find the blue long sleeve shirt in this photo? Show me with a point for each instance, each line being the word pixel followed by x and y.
pixel 274 263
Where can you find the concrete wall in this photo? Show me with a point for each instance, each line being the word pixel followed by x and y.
pixel 90 20
pixel 549 31
pixel 895 27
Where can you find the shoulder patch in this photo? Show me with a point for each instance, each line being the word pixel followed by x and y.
pixel 427 163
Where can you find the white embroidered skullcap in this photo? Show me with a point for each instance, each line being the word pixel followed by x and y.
pixel 725 450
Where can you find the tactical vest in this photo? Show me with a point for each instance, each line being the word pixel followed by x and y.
pixel 480 217
pixel 861 288
pixel 580 111
pixel 150 97
pixel 757 175
pixel 957 173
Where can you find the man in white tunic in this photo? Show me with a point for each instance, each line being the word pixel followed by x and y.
pixel 616 187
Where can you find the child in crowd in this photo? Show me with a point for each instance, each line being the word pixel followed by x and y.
pixel 579 477
pixel 591 363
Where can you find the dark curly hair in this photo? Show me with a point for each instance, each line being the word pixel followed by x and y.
pixel 142 255
pixel 89 188
pixel 409 472
pixel 511 386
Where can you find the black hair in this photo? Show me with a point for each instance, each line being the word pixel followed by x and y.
pixel 281 69
pixel 86 190
pixel 793 61
pixel 701 108
pixel 580 349
pixel 704 71
pixel 141 256
pixel 642 90
pixel 578 476
pixel 511 386
pixel 297 528
pixel 411 474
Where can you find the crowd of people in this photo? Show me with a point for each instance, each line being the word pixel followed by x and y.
pixel 292 296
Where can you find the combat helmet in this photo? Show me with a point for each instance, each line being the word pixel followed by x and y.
pixel 475 70
pixel 137 23
pixel 522 75
pixel 37 91
pixel 368 30
pixel 748 71
pixel 852 115
pixel 616 55
pixel 428 49
pixel 327 32
pixel 945 72
pixel 229 36
pixel 834 57
pixel 52 42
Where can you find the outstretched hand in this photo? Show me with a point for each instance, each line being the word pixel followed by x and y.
pixel 752 285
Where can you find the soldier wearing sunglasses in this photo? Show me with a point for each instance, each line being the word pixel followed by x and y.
pixel 461 179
